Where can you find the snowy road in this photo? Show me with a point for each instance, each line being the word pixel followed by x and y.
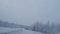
pixel 17 31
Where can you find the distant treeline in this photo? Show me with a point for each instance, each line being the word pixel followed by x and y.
pixel 46 28
pixel 12 25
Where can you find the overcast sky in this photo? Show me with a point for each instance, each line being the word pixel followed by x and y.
pixel 26 12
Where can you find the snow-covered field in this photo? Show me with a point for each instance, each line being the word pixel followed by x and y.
pixel 16 31
pixel 6 30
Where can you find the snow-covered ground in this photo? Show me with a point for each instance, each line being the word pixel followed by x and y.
pixel 4 29
pixel 24 32
pixel 16 31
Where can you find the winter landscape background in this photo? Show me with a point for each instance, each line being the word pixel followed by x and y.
pixel 29 16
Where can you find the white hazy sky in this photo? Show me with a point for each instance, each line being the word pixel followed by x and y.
pixel 26 12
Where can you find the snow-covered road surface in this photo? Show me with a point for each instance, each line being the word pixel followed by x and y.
pixel 17 31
